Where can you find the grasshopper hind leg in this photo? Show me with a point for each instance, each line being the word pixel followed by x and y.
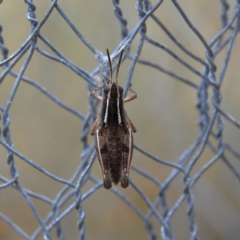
pixel 124 181
pixel 127 157
pixel 107 181
pixel 103 158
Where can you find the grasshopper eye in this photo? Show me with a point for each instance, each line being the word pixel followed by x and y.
pixel 120 89
pixel 106 89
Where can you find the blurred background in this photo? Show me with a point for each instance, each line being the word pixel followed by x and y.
pixel 164 114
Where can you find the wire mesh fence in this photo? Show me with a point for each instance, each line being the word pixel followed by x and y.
pixel 202 73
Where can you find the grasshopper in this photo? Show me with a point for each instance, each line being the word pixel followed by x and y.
pixel 113 131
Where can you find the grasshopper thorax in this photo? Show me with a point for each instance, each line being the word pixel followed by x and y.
pixel 113 105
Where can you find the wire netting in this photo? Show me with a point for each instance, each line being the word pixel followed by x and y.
pixel 176 56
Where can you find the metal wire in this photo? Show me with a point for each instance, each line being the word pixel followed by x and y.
pixel 73 187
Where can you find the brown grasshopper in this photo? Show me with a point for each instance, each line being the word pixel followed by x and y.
pixel 113 132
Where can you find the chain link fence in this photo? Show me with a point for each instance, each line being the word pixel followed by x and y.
pixel 157 210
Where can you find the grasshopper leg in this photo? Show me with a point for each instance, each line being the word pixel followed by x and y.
pixel 131 97
pixel 95 125
pixel 126 156
pixel 95 95
pixel 103 158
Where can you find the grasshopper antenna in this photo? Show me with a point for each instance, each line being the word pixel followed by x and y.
pixel 110 66
pixel 119 62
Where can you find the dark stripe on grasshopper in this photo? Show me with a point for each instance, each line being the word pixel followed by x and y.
pixel 112 108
